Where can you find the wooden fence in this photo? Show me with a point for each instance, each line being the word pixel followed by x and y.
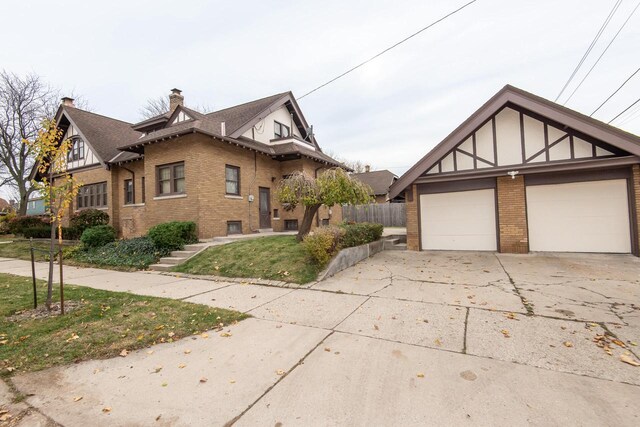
pixel 387 214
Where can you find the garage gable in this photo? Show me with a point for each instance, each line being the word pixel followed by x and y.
pixel 517 131
pixel 515 137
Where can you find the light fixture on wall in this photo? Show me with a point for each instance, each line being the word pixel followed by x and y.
pixel 512 174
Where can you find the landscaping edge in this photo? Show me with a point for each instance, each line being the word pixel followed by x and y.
pixel 349 257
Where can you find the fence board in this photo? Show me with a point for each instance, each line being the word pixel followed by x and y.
pixel 387 214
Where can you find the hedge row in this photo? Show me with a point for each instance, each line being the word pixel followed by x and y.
pixel 326 242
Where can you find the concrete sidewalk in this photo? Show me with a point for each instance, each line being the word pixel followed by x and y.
pixel 401 338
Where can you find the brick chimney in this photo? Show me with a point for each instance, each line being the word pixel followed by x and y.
pixel 67 102
pixel 367 168
pixel 175 99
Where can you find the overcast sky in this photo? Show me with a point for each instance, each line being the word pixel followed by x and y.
pixel 389 113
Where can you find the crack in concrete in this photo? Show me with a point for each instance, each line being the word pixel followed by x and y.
pixel 282 377
pixel 464 341
pixel 16 394
pixel 527 305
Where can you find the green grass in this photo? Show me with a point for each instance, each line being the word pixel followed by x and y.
pixel 273 257
pixel 20 249
pixel 105 323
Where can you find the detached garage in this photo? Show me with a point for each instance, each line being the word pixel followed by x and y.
pixel 525 174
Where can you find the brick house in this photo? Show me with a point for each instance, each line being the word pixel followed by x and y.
pixel 524 174
pixel 219 169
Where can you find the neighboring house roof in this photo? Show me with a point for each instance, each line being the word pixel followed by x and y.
pixel 379 181
pixel 510 95
pixel 4 204
pixel 104 134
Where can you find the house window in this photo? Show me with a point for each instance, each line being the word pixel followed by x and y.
pixel 92 196
pixel 234 227
pixel 280 130
pixel 76 151
pixel 291 224
pixel 276 214
pixel 232 180
pixel 170 179
pixel 128 192
pixel 144 194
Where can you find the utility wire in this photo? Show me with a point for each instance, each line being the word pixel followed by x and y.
pixel 593 43
pixel 602 54
pixel 388 49
pixel 616 91
pixel 624 111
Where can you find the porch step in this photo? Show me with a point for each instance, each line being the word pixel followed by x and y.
pixel 183 254
pixel 173 260
pixel 265 230
pixel 193 248
pixel 398 247
pixel 161 267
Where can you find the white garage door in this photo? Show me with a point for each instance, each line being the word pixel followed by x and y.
pixel 579 217
pixel 464 220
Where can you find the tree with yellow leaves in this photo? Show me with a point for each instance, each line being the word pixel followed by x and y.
pixel 50 153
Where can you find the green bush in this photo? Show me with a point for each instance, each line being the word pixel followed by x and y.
pixel 172 236
pixel 136 253
pixel 20 223
pixel 360 233
pixel 44 232
pixel 323 244
pixel 97 236
pixel 88 218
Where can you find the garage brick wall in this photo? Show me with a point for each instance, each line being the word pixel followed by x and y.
pixel 512 215
pixel 413 235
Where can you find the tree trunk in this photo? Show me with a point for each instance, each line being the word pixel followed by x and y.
pixel 307 220
pixel 24 200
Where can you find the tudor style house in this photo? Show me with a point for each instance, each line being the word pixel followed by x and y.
pixel 219 169
pixel 526 174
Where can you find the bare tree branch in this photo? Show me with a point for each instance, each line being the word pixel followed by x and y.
pixel 160 105
pixel 358 166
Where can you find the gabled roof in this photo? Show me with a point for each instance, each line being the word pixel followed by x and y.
pixel 511 95
pixel 102 133
pixel 379 181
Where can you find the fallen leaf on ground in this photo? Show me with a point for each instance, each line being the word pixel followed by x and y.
pixel 511 316
pixel 77 399
pixel 232 381
pixel 181 366
pixel 506 334
pixel 171 334
pixel 157 369
pixel 568 344
pixel 149 351
pixel 437 342
pixel 629 360
pixel 327 349
pixel 106 409
pixel 187 351
pixel 73 337
pixel 376 327
pixel 164 384
pixel 203 380
pixel 280 372
pixel 618 342
pixel 124 353
pixel 225 334
pixel 420 375
pixel 204 335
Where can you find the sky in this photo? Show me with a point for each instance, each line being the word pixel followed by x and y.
pixel 388 113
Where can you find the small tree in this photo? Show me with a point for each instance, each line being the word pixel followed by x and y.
pixel 331 187
pixel 51 158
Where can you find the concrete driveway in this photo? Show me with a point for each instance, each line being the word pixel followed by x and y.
pixel 441 338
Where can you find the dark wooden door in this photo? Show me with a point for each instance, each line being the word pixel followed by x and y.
pixel 264 201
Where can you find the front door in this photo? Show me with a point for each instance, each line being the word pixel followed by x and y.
pixel 264 201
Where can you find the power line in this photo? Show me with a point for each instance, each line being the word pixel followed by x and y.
pixel 624 111
pixel 602 54
pixel 593 43
pixel 616 91
pixel 388 49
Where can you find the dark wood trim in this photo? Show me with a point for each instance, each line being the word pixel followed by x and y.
pixel 475 159
pixel 522 144
pixel 475 151
pixel 547 148
pixel 495 140
pixel 440 167
pixel 571 149
pixel 419 210
pixel 455 160
pixel 456 186
pixel 534 168
pixel 576 176
pixel 133 192
pixel 546 142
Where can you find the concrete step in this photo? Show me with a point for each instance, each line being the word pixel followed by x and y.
pixel 398 247
pixel 389 243
pixel 265 230
pixel 183 254
pixel 172 260
pixel 194 248
pixel 161 267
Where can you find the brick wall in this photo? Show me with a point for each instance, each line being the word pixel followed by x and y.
pixel 512 215
pixel 413 236
pixel 94 175
pixel 636 191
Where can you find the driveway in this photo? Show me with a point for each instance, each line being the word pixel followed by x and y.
pixel 440 338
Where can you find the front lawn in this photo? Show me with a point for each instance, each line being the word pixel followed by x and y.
pixel 20 249
pixel 272 257
pixel 102 326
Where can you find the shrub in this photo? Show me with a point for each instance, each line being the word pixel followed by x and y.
pixel 20 223
pixel 172 236
pixel 97 236
pixel 88 218
pixel 360 234
pixel 134 253
pixel 323 244
pixel 44 232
